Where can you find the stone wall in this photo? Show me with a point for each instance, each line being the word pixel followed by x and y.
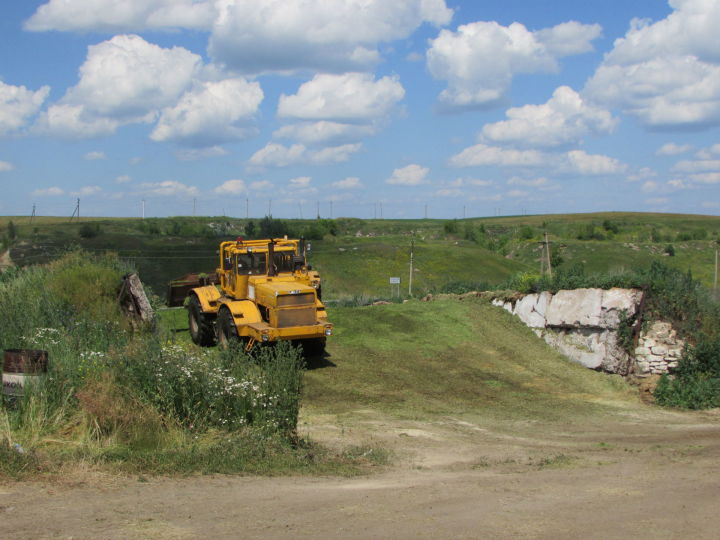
pixel 581 323
pixel 659 349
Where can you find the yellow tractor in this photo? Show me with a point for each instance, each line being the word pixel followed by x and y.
pixel 265 292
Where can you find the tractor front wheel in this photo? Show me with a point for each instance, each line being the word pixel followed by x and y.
pixel 201 328
pixel 226 329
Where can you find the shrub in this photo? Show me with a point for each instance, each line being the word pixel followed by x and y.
pixel 89 231
pixel 462 287
pixel 451 227
pixel 670 250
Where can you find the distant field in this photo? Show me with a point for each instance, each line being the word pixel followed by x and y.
pixel 363 254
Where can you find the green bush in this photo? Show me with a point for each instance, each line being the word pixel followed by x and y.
pixel 451 227
pixel 688 392
pixel 123 391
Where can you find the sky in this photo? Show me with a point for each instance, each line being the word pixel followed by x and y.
pixel 359 108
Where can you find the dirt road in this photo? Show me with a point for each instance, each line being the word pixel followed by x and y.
pixel 656 475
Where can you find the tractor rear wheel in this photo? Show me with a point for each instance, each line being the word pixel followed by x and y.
pixel 201 327
pixel 226 329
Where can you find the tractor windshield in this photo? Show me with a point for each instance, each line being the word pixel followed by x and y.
pixel 249 264
pixel 283 261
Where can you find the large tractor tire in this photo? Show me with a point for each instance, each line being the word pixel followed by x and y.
pixel 200 324
pixel 226 329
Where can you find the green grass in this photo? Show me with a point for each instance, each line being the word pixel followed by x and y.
pixel 447 357
pixel 365 253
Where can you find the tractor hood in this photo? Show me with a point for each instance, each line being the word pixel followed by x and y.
pixel 282 293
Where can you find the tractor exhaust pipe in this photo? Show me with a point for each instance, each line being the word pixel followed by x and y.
pixel 271 259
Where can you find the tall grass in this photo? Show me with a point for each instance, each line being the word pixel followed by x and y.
pixel 115 395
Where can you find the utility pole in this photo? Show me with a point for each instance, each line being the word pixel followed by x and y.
pixel 143 208
pixel 270 207
pixel 463 211
pixel 318 209
pixel 194 203
pixel 381 210
pixel 412 249
pixel 374 210
pixel 76 212
pixel 32 216
pixel 716 272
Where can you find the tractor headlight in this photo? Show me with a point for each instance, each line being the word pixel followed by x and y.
pixel 265 338
pixel 328 331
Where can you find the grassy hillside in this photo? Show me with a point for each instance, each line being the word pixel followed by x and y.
pixel 361 255
pixel 453 358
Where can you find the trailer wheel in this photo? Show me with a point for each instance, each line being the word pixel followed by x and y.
pixel 201 327
pixel 226 329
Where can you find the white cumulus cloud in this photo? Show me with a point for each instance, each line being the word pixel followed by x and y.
pixel 672 149
pixel 564 119
pixel 351 182
pixel 665 73
pixel 48 192
pixel 211 113
pixel 231 187
pixel 482 154
pixel 94 156
pixel 322 131
pixel 278 155
pixel 300 182
pixel 479 60
pixel 325 35
pixel 124 16
pixel 119 84
pixel 18 105
pixel 73 122
pixel 410 175
pixel 6 166
pixel 593 164
pixel 169 188
pixel 350 97
pixel 86 191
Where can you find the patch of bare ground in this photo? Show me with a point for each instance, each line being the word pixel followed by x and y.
pixel 645 474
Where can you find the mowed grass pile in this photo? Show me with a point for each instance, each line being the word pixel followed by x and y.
pixel 134 400
pixel 454 358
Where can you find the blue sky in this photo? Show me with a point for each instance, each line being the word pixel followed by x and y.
pixel 449 107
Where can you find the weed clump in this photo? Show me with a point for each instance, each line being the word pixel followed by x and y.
pixel 112 395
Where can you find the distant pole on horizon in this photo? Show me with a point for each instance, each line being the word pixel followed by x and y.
pixel 374 210
pixel 412 249
pixel 270 207
pixel 143 208
pixel 381 210
pixel 32 216
pixel 716 272
pixel 318 209
pixel 463 211
pixel 194 204
pixel 76 212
